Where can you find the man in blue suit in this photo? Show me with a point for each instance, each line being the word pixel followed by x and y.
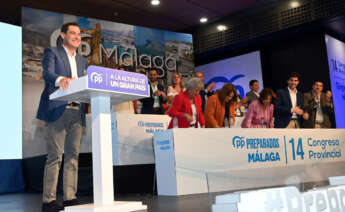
pixel 61 65
pixel 288 109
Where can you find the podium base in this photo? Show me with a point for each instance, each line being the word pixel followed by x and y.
pixel 118 206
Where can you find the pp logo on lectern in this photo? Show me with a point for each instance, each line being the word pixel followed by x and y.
pixel 96 78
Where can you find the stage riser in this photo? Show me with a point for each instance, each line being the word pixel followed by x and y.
pixel 127 179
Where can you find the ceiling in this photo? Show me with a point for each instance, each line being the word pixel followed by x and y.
pixel 174 15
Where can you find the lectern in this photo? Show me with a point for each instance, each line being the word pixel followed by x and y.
pixel 104 87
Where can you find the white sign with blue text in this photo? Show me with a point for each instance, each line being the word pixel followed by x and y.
pixel 132 137
pixel 233 159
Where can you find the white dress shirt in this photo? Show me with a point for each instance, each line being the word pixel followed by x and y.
pixel 155 98
pixel 293 97
pixel 195 114
pixel 73 65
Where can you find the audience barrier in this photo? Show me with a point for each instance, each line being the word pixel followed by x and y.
pixel 191 161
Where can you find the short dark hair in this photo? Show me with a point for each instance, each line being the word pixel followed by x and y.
pixel 65 26
pixel 294 74
pixel 251 83
pixel 153 70
pixel 317 81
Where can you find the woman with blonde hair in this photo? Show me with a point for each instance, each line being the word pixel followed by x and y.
pixel 177 87
pixel 220 108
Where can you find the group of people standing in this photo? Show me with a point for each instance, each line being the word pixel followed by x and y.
pixel 190 105
pixel 293 109
pixel 194 104
pixel 290 108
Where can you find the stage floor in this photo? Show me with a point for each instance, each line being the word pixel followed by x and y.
pixel 31 202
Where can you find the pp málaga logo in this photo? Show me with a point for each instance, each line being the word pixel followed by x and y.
pixel 96 78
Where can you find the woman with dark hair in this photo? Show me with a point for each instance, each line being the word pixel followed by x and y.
pixel 260 112
pixel 220 108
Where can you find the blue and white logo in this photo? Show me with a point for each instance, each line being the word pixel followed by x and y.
pixel 96 78
pixel 236 70
pixel 238 141
pixel 222 79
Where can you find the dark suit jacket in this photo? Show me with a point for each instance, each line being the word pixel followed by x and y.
pixel 283 106
pixel 55 63
pixel 147 103
pixel 251 97
pixel 203 95
pixel 310 106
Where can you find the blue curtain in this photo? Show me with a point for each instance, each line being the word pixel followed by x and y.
pixel 11 176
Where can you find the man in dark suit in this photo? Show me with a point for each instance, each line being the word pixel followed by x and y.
pixel 153 104
pixel 206 91
pixel 61 65
pixel 288 109
pixel 318 108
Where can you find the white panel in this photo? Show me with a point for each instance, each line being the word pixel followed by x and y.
pixel 132 137
pixel 236 159
pixel 11 92
pixel 165 163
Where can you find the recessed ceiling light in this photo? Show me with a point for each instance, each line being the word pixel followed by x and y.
pixel 203 20
pixel 294 4
pixel 155 2
pixel 221 27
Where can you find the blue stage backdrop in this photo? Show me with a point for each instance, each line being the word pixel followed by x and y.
pixel 11 178
pixel 104 43
pixel 336 62
pixel 236 70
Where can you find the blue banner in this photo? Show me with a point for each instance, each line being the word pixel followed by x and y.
pixel 117 80
pixel 336 62
pixel 236 70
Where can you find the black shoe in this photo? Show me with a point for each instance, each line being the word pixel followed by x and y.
pixel 51 207
pixel 70 202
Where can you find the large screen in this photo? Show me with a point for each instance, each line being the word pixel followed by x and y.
pixel 336 62
pixel 236 70
pixel 11 92
pixel 104 43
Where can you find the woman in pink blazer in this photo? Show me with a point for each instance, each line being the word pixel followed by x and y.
pixel 260 111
